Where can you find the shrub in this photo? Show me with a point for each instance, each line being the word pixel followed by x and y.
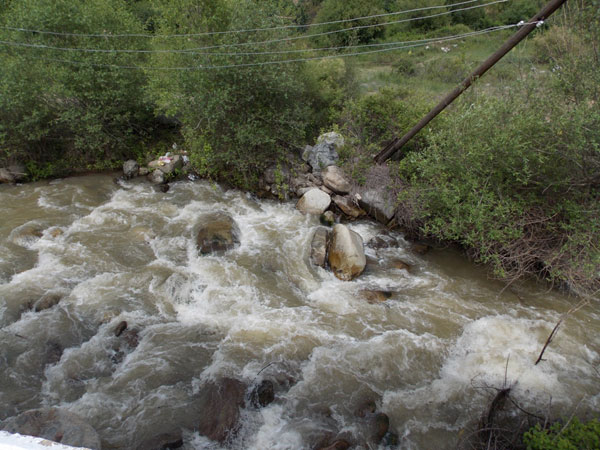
pixel 573 436
pixel 236 120
pixel 50 109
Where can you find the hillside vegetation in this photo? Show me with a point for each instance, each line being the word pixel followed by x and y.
pixel 510 172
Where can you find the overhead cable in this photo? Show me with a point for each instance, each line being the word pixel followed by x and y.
pixel 275 62
pixel 240 44
pixel 250 30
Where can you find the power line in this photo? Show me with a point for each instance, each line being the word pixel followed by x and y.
pixel 250 30
pixel 277 52
pixel 240 44
pixel 265 63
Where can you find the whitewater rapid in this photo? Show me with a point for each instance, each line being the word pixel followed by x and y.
pixel 261 311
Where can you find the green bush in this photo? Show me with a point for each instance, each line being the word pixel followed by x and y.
pixel 236 120
pixel 333 10
pixel 573 436
pixel 51 109
pixel 369 122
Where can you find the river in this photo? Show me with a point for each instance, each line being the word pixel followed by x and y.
pixel 261 311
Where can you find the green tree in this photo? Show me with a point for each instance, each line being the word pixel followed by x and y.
pixel 238 119
pixel 58 105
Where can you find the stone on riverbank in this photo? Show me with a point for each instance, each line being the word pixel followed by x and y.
pixel 156 177
pixel 55 425
pixel 346 253
pixel 315 201
pixel 217 233
pixel 378 203
pixel 334 179
pixel 130 169
pixel 324 154
pixel 348 206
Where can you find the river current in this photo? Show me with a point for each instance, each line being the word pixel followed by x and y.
pixel 261 311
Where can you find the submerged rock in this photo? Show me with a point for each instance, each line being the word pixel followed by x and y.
pixel 121 327
pixel 217 233
pixel 318 247
pixel 130 169
pixel 47 301
pixel 398 264
pixel 420 248
pixel 263 394
pixel 55 425
pixel 334 179
pixel 220 403
pixel 374 297
pixel 164 441
pixel 53 353
pixel 315 201
pixel 340 444
pixel 346 253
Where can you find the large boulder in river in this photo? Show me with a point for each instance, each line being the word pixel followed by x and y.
pixel 324 154
pixel 220 403
pixel 318 247
pixel 130 169
pixel 378 203
pixel 315 201
pixel 55 425
pixel 217 233
pixel 346 253
pixel 334 179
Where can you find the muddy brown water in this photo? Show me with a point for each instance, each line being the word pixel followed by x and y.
pixel 126 252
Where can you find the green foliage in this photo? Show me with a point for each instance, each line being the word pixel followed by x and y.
pixel 369 122
pixel 333 10
pixel 522 196
pixel 52 109
pixel 573 436
pixel 237 119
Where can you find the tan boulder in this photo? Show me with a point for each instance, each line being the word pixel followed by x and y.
pixel 334 179
pixel 314 201
pixel 346 253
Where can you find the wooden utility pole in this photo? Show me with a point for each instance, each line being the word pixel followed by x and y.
pixel 527 28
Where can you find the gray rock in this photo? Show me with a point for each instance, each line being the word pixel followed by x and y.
pixel 143 171
pixel 315 201
pixel 55 425
pixel 346 253
pixel 331 138
pixel 217 233
pixel 220 404
pixel 348 207
pixel 324 154
pixel 318 247
pixel 170 167
pixel 6 176
pixel 378 203
pixel 156 177
pixel 130 169
pixel 334 179
pixel 18 171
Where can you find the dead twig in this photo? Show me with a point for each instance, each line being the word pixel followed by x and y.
pixel 576 308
